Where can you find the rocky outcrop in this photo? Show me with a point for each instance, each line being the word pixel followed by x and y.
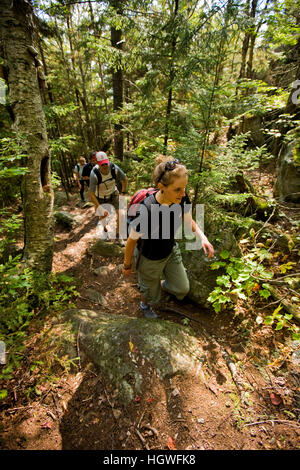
pixel 65 219
pixel 107 249
pixel 128 351
pixel 223 233
pixel 224 230
pixel 287 184
pixel 252 125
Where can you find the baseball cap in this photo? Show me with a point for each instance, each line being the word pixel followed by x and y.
pixel 101 158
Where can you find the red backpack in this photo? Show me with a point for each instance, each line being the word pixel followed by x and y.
pixel 136 199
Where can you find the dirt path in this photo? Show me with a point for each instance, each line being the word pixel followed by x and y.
pixel 244 395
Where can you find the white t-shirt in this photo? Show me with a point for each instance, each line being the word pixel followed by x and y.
pixel 78 169
pixel 107 186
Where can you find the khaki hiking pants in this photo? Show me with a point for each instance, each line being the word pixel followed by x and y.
pixel 170 269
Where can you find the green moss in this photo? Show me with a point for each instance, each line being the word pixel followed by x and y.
pixel 296 154
pixel 107 340
pixel 107 249
pixel 218 221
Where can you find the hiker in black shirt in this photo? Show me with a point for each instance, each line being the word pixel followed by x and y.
pixel 88 168
pixel 152 237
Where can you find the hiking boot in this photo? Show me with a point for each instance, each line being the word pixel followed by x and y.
pixel 147 311
pixel 119 241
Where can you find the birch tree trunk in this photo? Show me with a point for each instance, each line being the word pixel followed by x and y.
pixel 17 29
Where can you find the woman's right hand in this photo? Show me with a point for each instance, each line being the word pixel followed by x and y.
pixel 105 214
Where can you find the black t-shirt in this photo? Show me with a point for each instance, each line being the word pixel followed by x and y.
pixel 87 169
pixel 159 224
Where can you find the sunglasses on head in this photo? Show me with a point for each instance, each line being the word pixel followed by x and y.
pixel 169 167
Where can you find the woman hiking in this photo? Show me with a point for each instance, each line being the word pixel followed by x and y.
pixel 158 257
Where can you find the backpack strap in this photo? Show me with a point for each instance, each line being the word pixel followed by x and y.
pixel 147 202
pixel 112 170
pixel 98 174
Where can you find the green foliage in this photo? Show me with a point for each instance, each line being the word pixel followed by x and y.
pixel 55 180
pixel 10 224
pixel 280 321
pixel 241 278
pixel 260 98
pixel 283 27
pixel 62 144
pixel 24 295
pixel 244 277
pixel 221 164
pixel 11 168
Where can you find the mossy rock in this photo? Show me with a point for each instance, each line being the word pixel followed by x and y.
pixel 65 219
pixel 246 204
pixel 107 249
pixel 60 198
pixel 287 184
pixel 127 349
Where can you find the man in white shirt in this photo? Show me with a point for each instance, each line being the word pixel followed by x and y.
pixel 104 179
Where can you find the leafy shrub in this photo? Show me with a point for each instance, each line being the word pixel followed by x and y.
pixel 11 168
pixel 24 295
pixel 243 278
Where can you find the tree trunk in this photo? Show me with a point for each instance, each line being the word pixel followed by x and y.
pixel 82 96
pixel 17 26
pixel 117 81
pixel 171 79
pixel 72 90
pixel 101 74
pixel 248 43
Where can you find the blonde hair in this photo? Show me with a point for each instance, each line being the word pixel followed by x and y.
pixel 160 175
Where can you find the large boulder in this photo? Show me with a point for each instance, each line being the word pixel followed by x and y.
pixel 107 249
pixel 223 232
pixel 247 204
pixel 252 125
pixel 287 184
pixel 65 219
pixel 128 351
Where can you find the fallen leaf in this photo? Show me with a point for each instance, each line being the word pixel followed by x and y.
pixel 131 346
pixel 171 443
pixel 275 399
pixel 47 425
pixel 213 388
pixel 149 400
pixel 137 399
pixel 117 413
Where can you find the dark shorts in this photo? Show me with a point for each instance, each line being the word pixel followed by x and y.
pixel 171 270
pixel 113 199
